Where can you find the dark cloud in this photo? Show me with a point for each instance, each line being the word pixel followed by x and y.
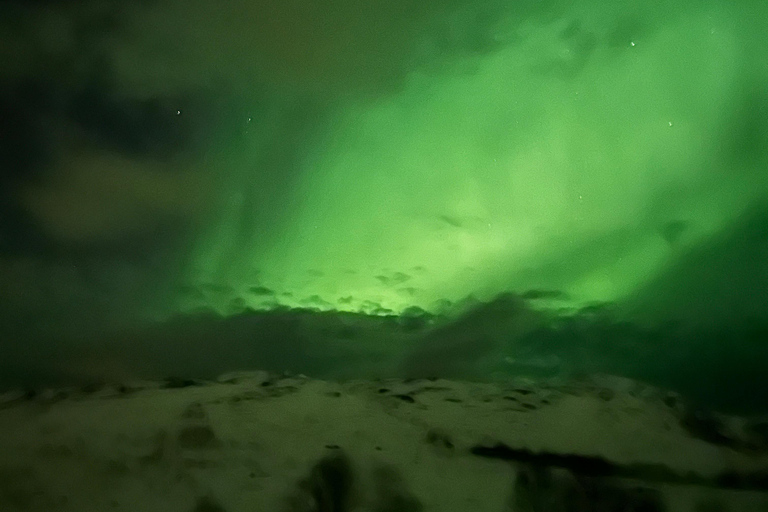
pixel 451 221
pixel 89 176
pixel 746 142
pixel 216 288
pixel 580 44
pixel 626 29
pixel 457 347
pixel 721 282
pixel 394 279
pixel 157 127
pixel 673 230
pixel 315 300
pixel 261 290
pixel 409 291
pixel 543 294
pixel 718 367
pixel 25 145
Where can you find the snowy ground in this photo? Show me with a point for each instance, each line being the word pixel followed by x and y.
pixel 256 441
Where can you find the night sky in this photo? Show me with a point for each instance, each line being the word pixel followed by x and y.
pixel 177 157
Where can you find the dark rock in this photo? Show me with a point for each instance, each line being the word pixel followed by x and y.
pixel 92 387
pixel 155 456
pixel 330 483
pixel 606 394
pixel 405 398
pixel 706 426
pixel 710 505
pixel 196 437
pixel 645 500
pixel 392 492
pixel 12 397
pixel 176 383
pixel 439 438
pixel 284 390
pixel 194 411
pixel 435 388
pixel 51 396
pixel 604 495
pixel 543 489
pixel 671 401
pixel 207 504
pixel 757 432
pixel 535 491
pixel 586 465
pixel 125 390
pixel 757 481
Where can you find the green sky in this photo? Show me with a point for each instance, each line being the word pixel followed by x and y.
pixel 174 155
pixel 168 157
pixel 587 151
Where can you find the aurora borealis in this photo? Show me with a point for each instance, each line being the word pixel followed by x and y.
pixel 556 156
pixel 166 158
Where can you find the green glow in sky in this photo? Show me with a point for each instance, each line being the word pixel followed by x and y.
pixel 561 160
